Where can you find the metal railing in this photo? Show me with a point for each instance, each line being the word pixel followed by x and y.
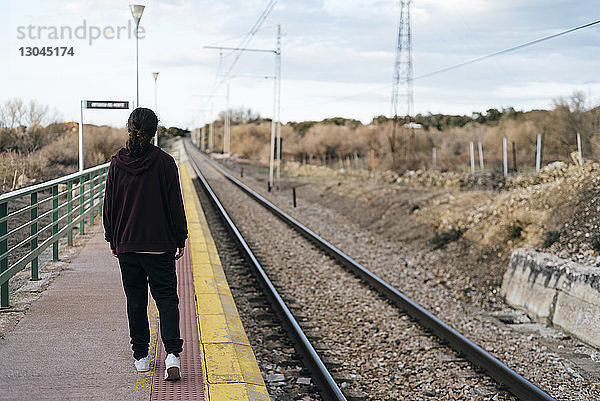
pixel 59 206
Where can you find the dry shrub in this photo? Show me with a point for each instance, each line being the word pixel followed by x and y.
pixel 339 139
pixel 251 141
pixel 99 143
pixel 59 157
pixel 327 141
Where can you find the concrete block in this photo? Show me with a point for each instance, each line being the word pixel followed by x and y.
pixel 555 291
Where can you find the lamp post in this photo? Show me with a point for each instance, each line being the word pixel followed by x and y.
pixel 137 11
pixel 155 75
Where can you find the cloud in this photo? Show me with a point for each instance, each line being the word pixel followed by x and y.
pixel 331 48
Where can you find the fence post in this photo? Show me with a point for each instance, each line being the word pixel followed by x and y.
pixel 472 155
pixel 294 195
pixel 4 262
pixel 579 150
pixel 538 153
pixel 480 149
pixel 70 212
pixel 372 160
pixel 33 214
pixel 81 200
pixel 54 220
pixel 514 149
pixel 92 201
pixel 505 155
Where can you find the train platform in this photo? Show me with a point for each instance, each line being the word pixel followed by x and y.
pixel 73 342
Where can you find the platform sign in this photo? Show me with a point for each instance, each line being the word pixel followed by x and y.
pixel 106 104
pixel 96 104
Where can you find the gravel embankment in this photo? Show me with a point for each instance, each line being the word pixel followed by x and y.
pixel 539 353
pixel 382 352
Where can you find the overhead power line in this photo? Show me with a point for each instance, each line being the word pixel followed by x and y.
pixel 237 51
pixel 239 36
pixel 510 49
pixel 453 67
pixel 244 43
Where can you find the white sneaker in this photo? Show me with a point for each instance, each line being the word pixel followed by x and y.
pixel 172 367
pixel 143 365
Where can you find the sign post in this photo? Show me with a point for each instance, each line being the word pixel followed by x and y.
pixel 95 104
pixel 80 146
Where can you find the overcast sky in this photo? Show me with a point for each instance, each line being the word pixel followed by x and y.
pixel 331 49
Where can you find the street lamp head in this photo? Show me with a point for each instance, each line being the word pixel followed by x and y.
pixel 136 11
pixel 155 75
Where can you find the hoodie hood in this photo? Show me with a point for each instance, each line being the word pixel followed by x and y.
pixel 136 165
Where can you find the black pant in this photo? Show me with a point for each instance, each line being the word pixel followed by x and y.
pixel 137 270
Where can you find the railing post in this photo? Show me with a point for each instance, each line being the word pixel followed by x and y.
pixel 70 212
pixel 4 262
pixel 81 200
pixel 33 232
pixel 54 220
pixel 101 188
pixel 92 188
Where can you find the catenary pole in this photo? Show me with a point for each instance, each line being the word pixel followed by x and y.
pixel 272 151
pixel 211 131
pixel 278 79
pixel 276 90
pixel 227 130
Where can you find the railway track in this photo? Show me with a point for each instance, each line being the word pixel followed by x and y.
pixel 431 326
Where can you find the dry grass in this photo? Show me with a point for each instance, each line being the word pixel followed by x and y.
pixel 333 141
pixel 60 157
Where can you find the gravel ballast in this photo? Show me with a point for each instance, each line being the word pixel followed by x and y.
pixel 560 365
pixel 379 349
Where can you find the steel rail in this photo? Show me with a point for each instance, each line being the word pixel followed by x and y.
pixel 322 377
pixel 515 383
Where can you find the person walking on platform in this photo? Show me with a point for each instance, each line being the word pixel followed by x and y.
pixel 145 224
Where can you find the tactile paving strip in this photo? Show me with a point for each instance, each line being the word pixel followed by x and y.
pixel 191 385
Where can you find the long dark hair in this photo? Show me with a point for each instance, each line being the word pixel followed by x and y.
pixel 141 125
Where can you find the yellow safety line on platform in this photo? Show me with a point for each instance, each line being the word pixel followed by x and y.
pixel 230 368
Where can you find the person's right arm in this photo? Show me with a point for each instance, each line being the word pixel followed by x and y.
pixel 177 210
pixel 107 208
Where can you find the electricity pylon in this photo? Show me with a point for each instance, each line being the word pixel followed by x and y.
pixel 403 74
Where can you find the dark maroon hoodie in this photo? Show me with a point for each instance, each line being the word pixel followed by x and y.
pixel 143 207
